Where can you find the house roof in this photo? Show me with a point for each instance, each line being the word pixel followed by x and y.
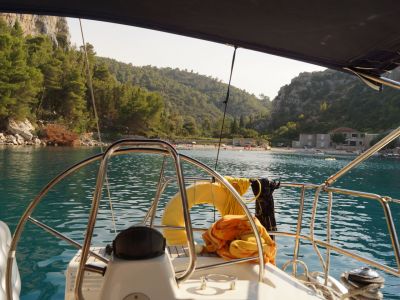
pixel 357 34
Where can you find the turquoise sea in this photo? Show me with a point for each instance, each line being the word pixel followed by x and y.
pixel 358 225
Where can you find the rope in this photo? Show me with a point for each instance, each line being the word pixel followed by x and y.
pixel 316 282
pixel 369 291
pixel 213 199
pixel 226 105
pixel 312 226
pixel 311 281
pixel 363 291
pixel 320 288
pixel 328 235
pixel 89 78
pixel 232 206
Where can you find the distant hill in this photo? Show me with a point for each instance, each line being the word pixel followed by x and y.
pixel 320 101
pixel 189 93
pixel 312 102
pixel 43 78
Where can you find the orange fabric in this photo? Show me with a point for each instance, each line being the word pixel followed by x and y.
pixel 232 237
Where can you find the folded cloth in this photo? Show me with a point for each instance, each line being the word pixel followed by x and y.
pixel 232 237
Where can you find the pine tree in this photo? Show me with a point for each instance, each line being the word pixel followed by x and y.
pixel 241 122
pixel 71 106
pixel 234 126
pixel 43 56
pixel 19 82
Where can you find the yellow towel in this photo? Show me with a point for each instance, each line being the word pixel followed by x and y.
pixel 231 237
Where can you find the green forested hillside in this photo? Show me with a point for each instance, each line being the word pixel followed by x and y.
pixel 45 80
pixel 312 102
pixel 189 94
pixel 321 101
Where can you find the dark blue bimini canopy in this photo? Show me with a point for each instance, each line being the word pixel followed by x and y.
pixel 357 34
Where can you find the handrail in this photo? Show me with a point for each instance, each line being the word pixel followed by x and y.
pixel 384 200
pixel 364 156
pixel 382 80
pixel 297 236
pixel 96 202
pixel 65 238
pixel 146 146
pixel 216 176
pixel 339 250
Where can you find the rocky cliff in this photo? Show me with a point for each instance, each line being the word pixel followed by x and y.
pixel 55 27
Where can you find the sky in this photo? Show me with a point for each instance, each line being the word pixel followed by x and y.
pixel 255 72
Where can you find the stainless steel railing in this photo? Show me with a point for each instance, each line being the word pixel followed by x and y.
pixel 118 148
pixel 297 236
pixel 331 191
pixel 364 156
pixel 97 196
pixel 163 148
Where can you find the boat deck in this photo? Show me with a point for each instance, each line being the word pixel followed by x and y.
pixel 277 284
pixel 182 251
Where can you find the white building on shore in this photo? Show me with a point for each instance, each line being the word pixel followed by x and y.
pixel 319 140
pixel 353 140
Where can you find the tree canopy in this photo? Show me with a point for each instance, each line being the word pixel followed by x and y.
pixel 44 80
pixel 47 81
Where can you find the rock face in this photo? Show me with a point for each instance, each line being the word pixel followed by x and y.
pixel 20 139
pixel 22 128
pixel 36 141
pixel 20 133
pixel 55 27
pixel 11 140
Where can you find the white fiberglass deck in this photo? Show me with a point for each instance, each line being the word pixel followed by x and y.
pixel 277 284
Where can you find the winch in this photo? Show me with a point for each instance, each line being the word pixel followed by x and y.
pixel 363 284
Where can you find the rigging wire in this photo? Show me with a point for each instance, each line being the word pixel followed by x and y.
pixel 226 105
pixel 223 119
pixel 89 79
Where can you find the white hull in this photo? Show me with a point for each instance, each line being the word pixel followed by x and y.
pixel 5 241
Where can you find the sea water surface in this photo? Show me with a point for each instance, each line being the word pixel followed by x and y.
pixel 358 224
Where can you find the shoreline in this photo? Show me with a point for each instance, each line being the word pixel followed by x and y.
pixel 189 146
pixel 312 151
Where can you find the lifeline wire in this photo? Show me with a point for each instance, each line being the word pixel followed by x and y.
pixel 226 105
pixel 89 78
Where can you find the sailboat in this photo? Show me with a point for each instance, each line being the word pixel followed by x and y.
pixel 145 262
